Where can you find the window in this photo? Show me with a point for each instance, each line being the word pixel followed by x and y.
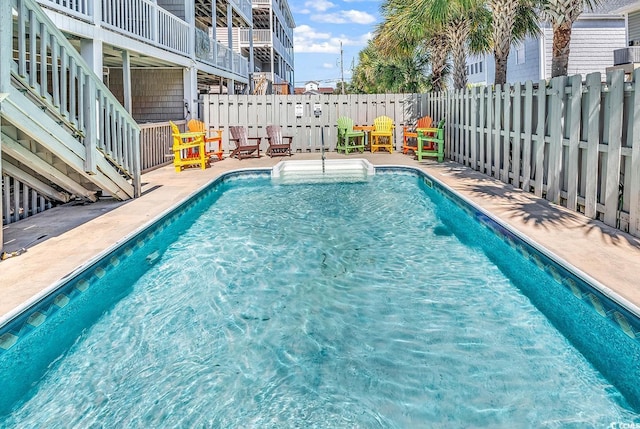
pixel 480 66
pixel 519 51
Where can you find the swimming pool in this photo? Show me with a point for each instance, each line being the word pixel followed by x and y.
pixel 330 305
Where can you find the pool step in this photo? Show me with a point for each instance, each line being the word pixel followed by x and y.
pixel 313 171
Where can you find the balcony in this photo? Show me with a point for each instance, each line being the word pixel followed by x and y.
pixel 144 20
pixel 265 38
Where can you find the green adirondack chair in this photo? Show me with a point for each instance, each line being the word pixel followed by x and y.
pixel 431 142
pixel 348 139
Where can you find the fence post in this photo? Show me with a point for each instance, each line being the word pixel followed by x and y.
pixel 517 134
pixel 527 143
pixel 506 131
pixel 575 105
pixel 615 98
pixel 497 132
pixel 474 127
pixel 554 169
pixel 594 88
pixel 540 139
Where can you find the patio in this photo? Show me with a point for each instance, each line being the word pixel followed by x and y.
pixel 61 240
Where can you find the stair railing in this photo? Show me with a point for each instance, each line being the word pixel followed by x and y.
pixel 48 66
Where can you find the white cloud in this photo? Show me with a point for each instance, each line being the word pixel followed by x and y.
pixel 318 5
pixel 345 17
pixel 327 66
pixel 306 39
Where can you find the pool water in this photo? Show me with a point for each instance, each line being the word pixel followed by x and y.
pixel 355 305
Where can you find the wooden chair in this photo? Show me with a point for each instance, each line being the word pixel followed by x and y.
pixel 215 136
pixel 277 145
pixel 347 137
pixel 244 149
pixel 382 135
pixel 410 135
pixel 431 142
pixel 188 149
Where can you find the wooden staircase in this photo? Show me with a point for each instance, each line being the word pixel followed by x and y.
pixel 64 136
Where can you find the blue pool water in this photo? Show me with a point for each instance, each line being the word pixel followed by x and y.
pixel 355 305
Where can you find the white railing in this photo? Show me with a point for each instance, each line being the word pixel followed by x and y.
pixel 240 65
pixel 20 201
pixel 71 92
pixel 265 37
pixel 155 144
pixel 146 21
pixel 82 9
pixel 260 36
pixel 219 55
pixel 173 33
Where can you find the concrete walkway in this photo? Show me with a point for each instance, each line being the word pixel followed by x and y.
pixel 61 240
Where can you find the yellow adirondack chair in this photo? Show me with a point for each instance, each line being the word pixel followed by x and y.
pixel 382 135
pixel 188 149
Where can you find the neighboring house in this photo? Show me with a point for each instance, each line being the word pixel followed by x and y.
pixel 313 87
pixel 271 43
pixel 594 37
pixel 628 58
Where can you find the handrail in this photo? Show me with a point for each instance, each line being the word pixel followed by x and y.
pixel 145 20
pixel 81 9
pixel 51 67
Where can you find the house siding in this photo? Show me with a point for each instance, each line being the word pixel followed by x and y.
pixel 157 95
pixel 530 68
pixel 592 46
pixel 176 7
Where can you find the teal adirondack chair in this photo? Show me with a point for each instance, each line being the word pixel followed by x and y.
pixel 431 142
pixel 348 139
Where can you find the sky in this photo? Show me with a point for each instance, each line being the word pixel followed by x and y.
pixel 320 27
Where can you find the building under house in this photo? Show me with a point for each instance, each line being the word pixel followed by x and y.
pixel 80 79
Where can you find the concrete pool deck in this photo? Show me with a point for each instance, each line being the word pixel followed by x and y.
pixel 62 239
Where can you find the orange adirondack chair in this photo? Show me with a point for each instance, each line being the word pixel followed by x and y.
pixel 195 125
pixel 410 134
pixel 382 135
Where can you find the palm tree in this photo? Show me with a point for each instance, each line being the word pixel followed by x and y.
pixel 402 34
pixel 511 21
pixel 377 73
pixel 448 23
pixel 562 14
